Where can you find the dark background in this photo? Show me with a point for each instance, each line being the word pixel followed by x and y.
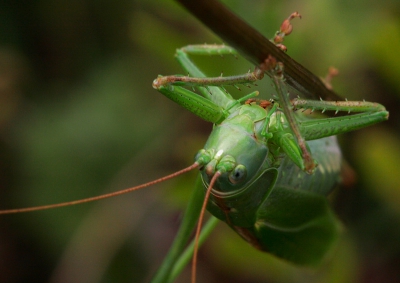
pixel 78 117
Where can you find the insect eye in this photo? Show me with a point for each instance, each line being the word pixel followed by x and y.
pixel 238 174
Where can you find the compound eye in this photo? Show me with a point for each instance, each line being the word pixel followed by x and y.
pixel 238 174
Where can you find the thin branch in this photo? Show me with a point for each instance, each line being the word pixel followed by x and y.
pixel 255 47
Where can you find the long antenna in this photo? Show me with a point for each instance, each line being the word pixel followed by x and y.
pixel 113 194
pixel 199 224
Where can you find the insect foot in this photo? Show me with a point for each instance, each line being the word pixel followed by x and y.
pixel 285 29
pixel 275 70
pixel 160 81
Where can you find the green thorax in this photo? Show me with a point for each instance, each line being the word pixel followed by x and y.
pixel 237 141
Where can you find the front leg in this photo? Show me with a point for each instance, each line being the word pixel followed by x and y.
pixel 214 103
pixel 276 71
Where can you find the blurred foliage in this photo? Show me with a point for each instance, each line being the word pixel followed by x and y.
pixel 78 117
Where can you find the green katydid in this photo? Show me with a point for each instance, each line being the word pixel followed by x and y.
pixel 259 169
pixel 252 165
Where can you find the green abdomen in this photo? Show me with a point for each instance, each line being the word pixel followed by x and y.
pixel 326 176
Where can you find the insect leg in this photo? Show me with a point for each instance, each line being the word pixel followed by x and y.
pixel 210 88
pixel 182 55
pixel 371 113
pixel 285 29
pixel 338 106
pixel 198 105
pixel 214 103
pixel 256 75
pixel 264 131
pixel 276 70
pixel 213 93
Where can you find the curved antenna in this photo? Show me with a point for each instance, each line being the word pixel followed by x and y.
pixel 199 223
pixel 90 199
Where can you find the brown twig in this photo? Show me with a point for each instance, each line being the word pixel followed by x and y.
pixel 255 47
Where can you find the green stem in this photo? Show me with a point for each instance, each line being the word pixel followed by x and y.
pixel 186 256
pixel 188 224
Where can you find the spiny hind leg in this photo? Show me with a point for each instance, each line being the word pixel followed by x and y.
pixel 337 106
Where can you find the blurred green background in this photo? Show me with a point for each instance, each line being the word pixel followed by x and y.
pixel 78 117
